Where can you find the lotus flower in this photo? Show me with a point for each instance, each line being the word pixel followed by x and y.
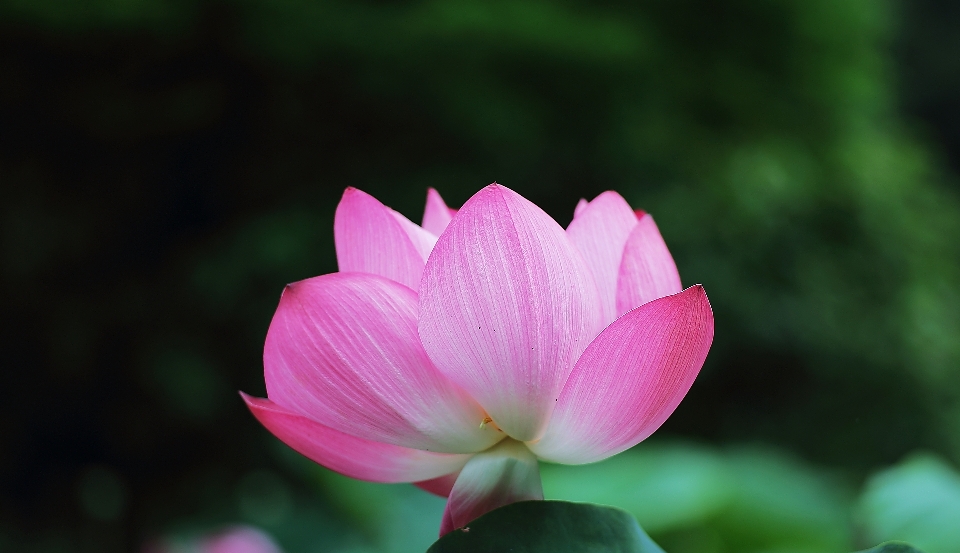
pixel 457 354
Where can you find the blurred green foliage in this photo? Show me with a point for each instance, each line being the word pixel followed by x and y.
pixel 893 547
pixel 168 165
pixel 697 499
pixel 916 501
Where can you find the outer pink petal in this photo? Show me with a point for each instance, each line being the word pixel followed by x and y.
pixel 439 486
pixel 581 205
pixel 436 215
pixel 504 474
pixel 343 350
pixel 600 232
pixel 630 379
pixel 647 271
pixel 372 238
pixel 506 307
pixel 348 455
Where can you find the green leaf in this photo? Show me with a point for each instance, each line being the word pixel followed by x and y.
pixel 666 486
pixel 555 526
pixel 917 501
pixel 697 499
pixel 893 547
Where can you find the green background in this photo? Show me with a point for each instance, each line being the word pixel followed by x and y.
pixel 166 166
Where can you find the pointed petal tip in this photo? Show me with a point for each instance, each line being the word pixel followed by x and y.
pixel 436 213
pixel 609 194
pixel 581 205
pixel 295 289
pixel 434 196
pixel 485 193
pixel 255 403
pixel 351 193
pixel 347 454
pixel 696 293
pixel 259 406
pixel 694 298
pixel 495 187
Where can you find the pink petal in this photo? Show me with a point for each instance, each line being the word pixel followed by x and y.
pixel 422 240
pixel 600 232
pixel 647 271
pixel 348 455
pixel 343 350
pixel 504 474
pixel 436 216
pixel 372 238
pixel 581 205
pixel 439 486
pixel 506 307
pixel 630 379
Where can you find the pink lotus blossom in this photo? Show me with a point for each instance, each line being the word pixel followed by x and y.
pixel 456 354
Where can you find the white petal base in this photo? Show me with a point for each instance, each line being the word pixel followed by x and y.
pixel 506 473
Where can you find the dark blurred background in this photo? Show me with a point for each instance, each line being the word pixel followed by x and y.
pixel 166 166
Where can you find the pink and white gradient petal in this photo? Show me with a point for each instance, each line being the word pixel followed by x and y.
pixel 504 474
pixel 600 232
pixel 630 379
pixel 436 214
pixel 349 455
pixel 439 486
pixel 372 238
pixel 343 350
pixel 647 271
pixel 506 307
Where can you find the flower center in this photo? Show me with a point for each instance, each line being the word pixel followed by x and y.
pixel 488 421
